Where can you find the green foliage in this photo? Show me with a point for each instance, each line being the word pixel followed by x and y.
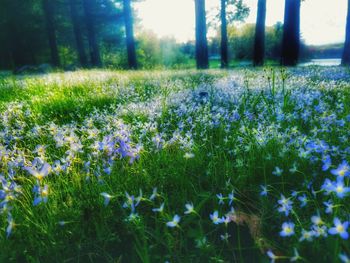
pixel 23 31
pixel 241 41
pixel 148 50
pixel 157 53
pixel 237 11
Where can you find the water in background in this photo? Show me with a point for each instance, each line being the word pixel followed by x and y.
pixel 322 62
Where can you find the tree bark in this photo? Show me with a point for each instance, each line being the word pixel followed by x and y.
pixel 201 36
pixel 346 53
pixel 224 44
pixel 259 42
pixel 77 32
pixel 48 7
pixel 129 30
pixel 291 33
pixel 90 26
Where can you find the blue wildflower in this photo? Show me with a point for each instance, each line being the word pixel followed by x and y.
pixel 285 205
pixel 319 230
pixel 296 256
pixel 39 174
pixel 106 197
pixel 263 190
pixel 231 197
pixel 340 189
pixel 287 229
pixel 221 198
pixel 10 226
pixel 215 218
pixel 327 162
pixel 189 208
pixel 293 169
pixel 271 255
pixel 278 171
pixel 154 194
pixel 174 222
pixel 343 257
pixel 306 235
pixel 339 228
pixel 329 207
pixel 41 194
pixel 327 186
pixel 303 200
pixel 160 209
pixel 316 219
pixel 342 170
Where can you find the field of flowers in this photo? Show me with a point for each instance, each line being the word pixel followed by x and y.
pixel 176 166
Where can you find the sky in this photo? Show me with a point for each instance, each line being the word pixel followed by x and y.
pixel 322 21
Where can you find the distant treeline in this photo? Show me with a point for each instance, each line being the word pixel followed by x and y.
pixel 62 32
pixel 326 51
pixel 100 33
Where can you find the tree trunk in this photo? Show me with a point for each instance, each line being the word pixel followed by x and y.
pixel 291 33
pixel 224 49
pixel 77 32
pixel 346 53
pixel 90 26
pixel 15 46
pixel 48 7
pixel 129 30
pixel 259 43
pixel 201 36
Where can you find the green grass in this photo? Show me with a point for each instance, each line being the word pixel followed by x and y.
pixel 191 113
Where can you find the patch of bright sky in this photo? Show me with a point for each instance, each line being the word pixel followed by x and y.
pixel 322 21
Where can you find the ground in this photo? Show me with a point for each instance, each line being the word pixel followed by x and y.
pixel 245 165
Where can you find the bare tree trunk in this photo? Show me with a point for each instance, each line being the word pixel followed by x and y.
pixel 129 30
pixel 48 7
pixel 90 26
pixel 201 35
pixel 77 32
pixel 291 33
pixel 224 45
pixel 346 53
pixel 259 43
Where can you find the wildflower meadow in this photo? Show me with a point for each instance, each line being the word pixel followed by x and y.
pixel 249 165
